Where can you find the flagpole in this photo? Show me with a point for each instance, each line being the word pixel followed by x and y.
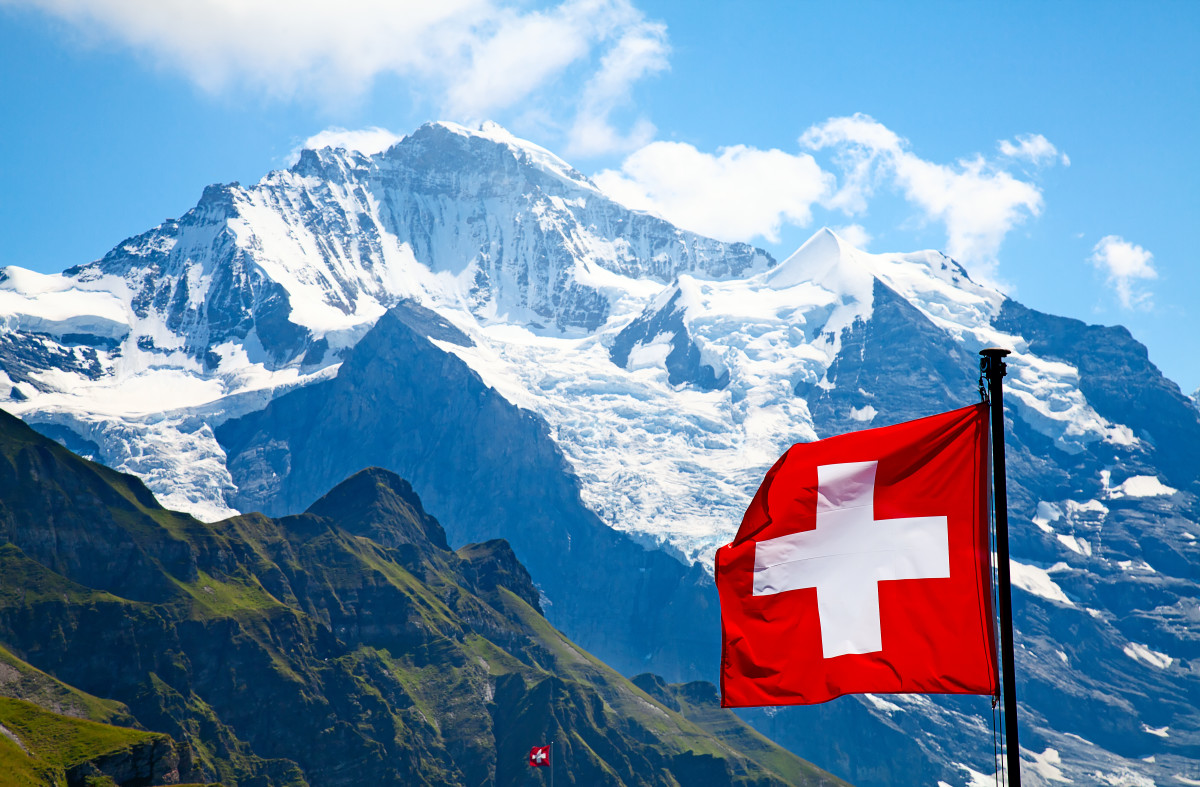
pixel 992 366
pixel 551 763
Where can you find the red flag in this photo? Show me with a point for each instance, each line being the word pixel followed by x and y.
pixel 862 565
pixel 539 756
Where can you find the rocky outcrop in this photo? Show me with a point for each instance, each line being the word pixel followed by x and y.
pixel 151 762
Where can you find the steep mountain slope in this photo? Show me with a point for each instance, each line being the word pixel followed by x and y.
pixel 554 368
pixel 383 656
pixel 491 470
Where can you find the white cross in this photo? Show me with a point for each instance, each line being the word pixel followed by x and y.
pixel 848 555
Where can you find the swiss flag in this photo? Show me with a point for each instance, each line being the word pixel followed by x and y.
pixel 539 756
pixel 862 565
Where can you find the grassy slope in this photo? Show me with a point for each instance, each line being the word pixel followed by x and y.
pixel 50 743
pixel 21 681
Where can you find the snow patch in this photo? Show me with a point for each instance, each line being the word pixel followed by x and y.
pixel 1047 766
pixel 1124 778
pixel 1047 513
pixel 1077 545
pixel 1048 399
pixel 1136 486
pixel 1037 581
pixel 537 155
pixel 881 704
pixel 865 414
pixel 1139 652
pixel 55 304
pixel 650 356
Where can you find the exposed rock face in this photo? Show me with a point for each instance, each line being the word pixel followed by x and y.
pixel 896 363
pixel 494 565
pixel 1118 379
pixel 684 361
pixel 144 764
pixel 491 470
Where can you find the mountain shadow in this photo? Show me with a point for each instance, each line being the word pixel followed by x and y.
pixel 490 470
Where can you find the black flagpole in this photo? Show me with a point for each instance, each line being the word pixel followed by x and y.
pixel 992 366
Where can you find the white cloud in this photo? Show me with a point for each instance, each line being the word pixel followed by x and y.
pixel 739 193
pixel 285 47
pixel 523 52
pixel 640 51
pixel 978 201
pixel 367 141
pixel 860 143
pixel 1035 149
pixel 470 58
pixel 742 193
pixel 854 234
pixel 978 204
pixel 1126 264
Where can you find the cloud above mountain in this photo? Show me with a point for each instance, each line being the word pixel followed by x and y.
pixel 977 200
pixel 367 141
pixel 1126 265
pixel 737 193
pixel 743 193
pixel 467 59
pixel 570 68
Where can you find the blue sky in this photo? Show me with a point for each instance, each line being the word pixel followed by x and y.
pixel 1049 146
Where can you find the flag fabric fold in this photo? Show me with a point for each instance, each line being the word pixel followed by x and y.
pixel 863 565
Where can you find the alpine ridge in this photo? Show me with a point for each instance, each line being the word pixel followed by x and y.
pixel 346 645
pixel 590 382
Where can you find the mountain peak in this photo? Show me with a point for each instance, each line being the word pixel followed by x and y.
pixel 380 504
pixel 327 162
pixel 522 149
pixel 828 260
pixel 931 281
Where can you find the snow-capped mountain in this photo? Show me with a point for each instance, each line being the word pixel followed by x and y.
pixel 544 364
pixel 260 288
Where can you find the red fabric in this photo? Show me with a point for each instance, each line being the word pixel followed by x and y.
pixel 936 633
pixel 539 756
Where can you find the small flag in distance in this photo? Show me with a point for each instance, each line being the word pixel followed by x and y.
pixel 539 756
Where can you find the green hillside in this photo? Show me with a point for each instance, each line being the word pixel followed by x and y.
pixel 38 747
pixel 348 645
